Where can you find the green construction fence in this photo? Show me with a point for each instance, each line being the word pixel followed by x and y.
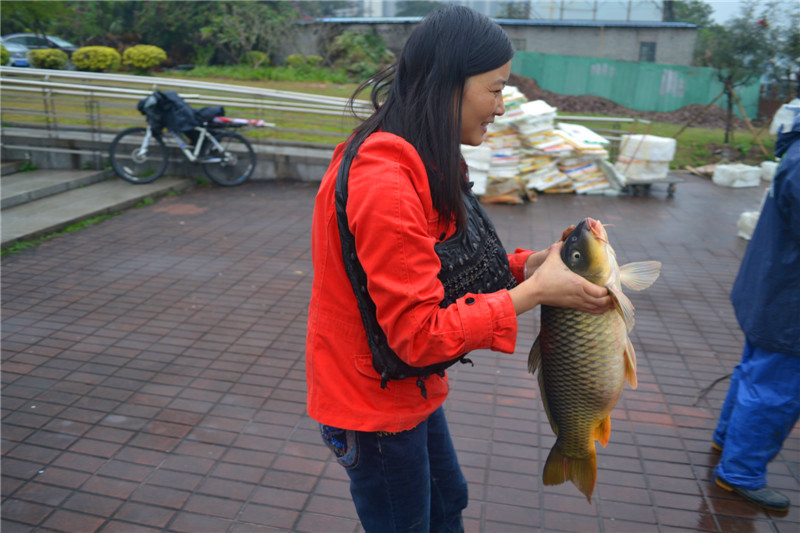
pixel 636 85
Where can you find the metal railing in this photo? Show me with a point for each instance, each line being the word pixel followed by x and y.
pixel 62 104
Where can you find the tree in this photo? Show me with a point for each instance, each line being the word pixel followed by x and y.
pixel 739 51
pixel 692 11
pixel 246 26
pixel 105 23
pixel 177 28
pixel 514 10
pixel 417 8
pixel 786 65
pixel 313 9
pixel 28 16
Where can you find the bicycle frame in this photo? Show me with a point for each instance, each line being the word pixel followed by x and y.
pixel 192 156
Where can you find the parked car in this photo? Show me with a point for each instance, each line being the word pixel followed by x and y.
pixel 19 54
pixel 36 40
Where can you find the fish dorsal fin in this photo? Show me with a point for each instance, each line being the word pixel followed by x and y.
pixel 622 304
pixel 639 276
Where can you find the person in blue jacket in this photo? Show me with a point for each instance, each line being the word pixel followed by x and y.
pixel 763 402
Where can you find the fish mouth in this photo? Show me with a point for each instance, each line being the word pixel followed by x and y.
pixel 597 229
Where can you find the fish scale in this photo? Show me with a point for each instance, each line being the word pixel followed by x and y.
pixel 582 367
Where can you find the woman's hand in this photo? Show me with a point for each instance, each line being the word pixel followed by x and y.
pixel 550 282
pixel 534 261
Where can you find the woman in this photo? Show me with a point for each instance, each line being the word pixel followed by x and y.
pixel 425 280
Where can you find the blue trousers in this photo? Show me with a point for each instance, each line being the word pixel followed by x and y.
pixel 762 406
pixel 407 481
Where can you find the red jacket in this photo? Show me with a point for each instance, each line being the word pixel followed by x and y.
pixel 395 225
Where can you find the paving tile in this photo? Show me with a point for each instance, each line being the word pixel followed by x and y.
pixel 153 377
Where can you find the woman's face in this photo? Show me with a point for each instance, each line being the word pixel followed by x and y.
pixel 483 100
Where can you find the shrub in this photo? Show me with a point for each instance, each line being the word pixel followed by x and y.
pixel 49 58
pixel 143 57
pixel 256 59
pixel 360 54
pixel 5 55
pixel 96 58
pixel 299 61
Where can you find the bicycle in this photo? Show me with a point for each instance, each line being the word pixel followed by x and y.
pixel 140 156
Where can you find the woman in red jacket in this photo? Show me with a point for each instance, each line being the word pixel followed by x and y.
pixel 409 275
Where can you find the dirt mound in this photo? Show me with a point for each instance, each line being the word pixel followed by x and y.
pixel 714 117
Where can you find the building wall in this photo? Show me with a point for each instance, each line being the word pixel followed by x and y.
pixel 674 44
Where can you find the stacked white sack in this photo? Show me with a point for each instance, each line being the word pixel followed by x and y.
pixel 583 168
pixel 540 145
pixel 768 169
pixel 645 157
pixel 478 159
pixel 736 176
pixel 748 219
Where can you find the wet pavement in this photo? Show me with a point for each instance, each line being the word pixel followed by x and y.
pixel 153 376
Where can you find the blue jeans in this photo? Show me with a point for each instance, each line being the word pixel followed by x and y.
pixel 760 409
pixel 407 481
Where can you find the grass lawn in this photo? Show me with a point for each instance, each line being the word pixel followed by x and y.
pixel 696 146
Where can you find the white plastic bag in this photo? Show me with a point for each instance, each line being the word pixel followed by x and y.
pixel 736 176
pixel 768 169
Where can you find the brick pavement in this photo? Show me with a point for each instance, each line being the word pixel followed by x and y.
pixel 153 377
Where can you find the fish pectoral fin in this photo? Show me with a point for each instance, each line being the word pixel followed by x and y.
pixel 639 276
pixel 581 471
pixel 603 431
pixel 623 305
pixel 535 357
pixel 630 365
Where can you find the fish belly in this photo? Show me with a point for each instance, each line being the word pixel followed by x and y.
pixel 583 370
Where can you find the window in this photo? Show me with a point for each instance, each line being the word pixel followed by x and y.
pixel 647 52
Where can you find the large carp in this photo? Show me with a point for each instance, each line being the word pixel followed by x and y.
pixel 583 359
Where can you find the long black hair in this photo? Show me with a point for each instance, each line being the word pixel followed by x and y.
pixel 419 96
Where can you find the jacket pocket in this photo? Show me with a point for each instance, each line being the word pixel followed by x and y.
pixel 343 443
pixel 363 363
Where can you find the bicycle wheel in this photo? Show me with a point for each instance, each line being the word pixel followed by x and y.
pixel 234 165
pixel 135 161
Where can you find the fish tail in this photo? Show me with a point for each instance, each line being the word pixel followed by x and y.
pixel 581 471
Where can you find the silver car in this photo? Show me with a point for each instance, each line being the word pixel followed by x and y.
pixel 35 40
pixel 19 54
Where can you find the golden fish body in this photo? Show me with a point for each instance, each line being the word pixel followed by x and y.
pixel 584 359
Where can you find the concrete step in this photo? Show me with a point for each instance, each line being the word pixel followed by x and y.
pixel 10 167
pixel 53 213
pixel 22 187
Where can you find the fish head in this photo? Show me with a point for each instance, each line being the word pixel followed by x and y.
pixel 587 253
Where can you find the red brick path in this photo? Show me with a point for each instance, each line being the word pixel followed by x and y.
pixel 153 377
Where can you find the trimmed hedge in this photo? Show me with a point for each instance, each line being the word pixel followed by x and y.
pixel 96 58
pixel 48 58
pixel 301 61
pixel 143 57
pixel 255 59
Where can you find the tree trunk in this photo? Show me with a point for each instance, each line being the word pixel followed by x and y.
pixel 729 118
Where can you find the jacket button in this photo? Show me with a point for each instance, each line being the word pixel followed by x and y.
pixel 470 300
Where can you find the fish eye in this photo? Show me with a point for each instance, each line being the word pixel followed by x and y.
pixel 576 255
